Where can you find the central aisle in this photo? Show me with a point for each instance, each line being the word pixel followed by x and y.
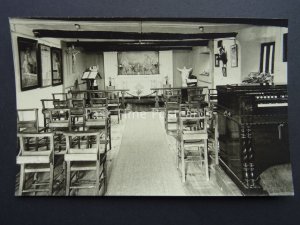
pixel 145 165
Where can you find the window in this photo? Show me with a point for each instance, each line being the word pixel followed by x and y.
pixel 267 53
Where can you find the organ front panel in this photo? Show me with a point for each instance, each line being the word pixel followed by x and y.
pixel 253 132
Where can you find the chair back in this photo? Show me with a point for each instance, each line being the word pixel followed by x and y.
pixel 59 119
pixel 171 92
pixel 173 102
pixel 192 120
pixel 111 94
pixel 77 105
pixel 113 98
pixel 197 101
pixel 83 142
pixel 97 94
pixel 98 102
pixel 96 117
pixel 27 120
pixel 40 149
pixel 195 91
pixel 60 100
pixel 60 96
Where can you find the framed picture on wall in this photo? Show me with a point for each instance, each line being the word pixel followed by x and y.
pixel 56 66
pixel 29 75
pixel 45 65
pixel 234 55
pixel 217 60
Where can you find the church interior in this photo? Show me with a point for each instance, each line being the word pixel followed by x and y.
pixel 151 107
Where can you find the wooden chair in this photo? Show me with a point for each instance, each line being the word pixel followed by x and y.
pixel 198 101
pixel 58 126
pixel 28 120
pixel 60 100
pixel 35 160
pixel 60 96
pixel 83 154
pixel 98 99
pixel 99 119
pixel 77 113
pixel 78 95
pixel 172 104
pixel 47 104
pixel 114 104
pixel 192 140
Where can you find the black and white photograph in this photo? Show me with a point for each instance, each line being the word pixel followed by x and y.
pixel 45 65
pixel 56 66
pixel 151 107
pixel 28 63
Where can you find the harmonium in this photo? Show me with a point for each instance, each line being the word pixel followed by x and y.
pixel 253 132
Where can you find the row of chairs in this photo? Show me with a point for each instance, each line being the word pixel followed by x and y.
pixel 192 138
pixel 38 146
pixel 78 101
pixel 83 153
pixel 173 101
pixel 190 120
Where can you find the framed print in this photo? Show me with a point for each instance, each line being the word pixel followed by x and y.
pixel 217 60
pixel 234 55
pixel 29 77
pixel 45 65
pixel 56 66
pixel 138 63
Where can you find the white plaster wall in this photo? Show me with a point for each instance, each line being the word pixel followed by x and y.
pixel 251 40
pixel 202 61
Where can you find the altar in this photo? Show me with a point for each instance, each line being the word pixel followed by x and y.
pixel 141 82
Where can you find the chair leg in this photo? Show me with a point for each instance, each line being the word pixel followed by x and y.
pixel 97 178
pixel 51 179
pixel 182 163
pixel 206 160
pixel 68 178
pixel 177 154
pixel 22 179
pixel 201 156
pixel 166 120
pixel 104 176
pixel 110 138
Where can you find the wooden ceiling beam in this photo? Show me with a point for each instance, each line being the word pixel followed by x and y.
pixel 91 48
pixel 138 44
pixel 42 33
pixel 250 21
